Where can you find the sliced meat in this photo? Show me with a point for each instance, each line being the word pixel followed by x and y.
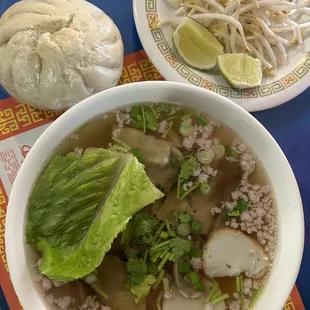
pixel 201 210
pixel 229 252
pixel 171 203
pixel 162 177
pixel 112 276
pixel 154 152
pixel 174 138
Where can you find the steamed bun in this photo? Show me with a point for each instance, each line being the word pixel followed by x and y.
pixel 55 53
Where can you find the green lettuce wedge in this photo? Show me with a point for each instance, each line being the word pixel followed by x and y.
pixel 78 206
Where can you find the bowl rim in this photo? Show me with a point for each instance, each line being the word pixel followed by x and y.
pixel 70 120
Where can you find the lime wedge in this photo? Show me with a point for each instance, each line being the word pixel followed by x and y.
pixel 196 45
pixel 241 70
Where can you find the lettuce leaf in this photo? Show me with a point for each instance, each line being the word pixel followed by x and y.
pixel 78 206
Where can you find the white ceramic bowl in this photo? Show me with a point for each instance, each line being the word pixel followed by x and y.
pixel 248 128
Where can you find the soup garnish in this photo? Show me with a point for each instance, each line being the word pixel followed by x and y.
pixel 153 207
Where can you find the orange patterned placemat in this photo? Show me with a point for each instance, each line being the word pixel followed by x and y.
pixel 21 125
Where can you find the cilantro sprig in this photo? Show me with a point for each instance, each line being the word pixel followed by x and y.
pixel 241 206
pixel 144 117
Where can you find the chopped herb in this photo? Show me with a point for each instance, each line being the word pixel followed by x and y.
pixel 154 113
pixel 218 150
pixel 256 296
pixel 137 153
pixel 216 294
pixel 201 121
pixel 234 213
pixel 241 293
pixel 163 235
pixel 186 129
pixel 168 225
pixel 136 270
pixel 142 289
pixel 183 229
pixel 179 186
pixel 238 284
pixel 196 253
pixel 125 145
pixel 151 120
pixel 155 257
pixel 143 118
pixel 205 156
pixel 186 116
pixel 185 217
pixel 166 285
pixel 151 268
pixel 164 260
pixel 131 252
pixel 175 161
pixel 117 147
pixel 190 190
pixel 194 277
pixel 170 124
pixel 145 223
pixel 178 246
pixel 99 291
pixel 241 206
pixel 231 152
pixel 212 292
pixel 159 278
pixel 164 253
pixel 205 188
pixel 147 238
pixel 184 266
pixel 172 234
pixel 158 231
pixel 196 226
pixel 219 299
pixel 199 287
pixel 135 111
pixel 187 168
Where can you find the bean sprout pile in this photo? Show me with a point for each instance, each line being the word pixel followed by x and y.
pixel 263 28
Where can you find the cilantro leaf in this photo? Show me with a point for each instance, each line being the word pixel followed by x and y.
pixel 142 289
pixel 144 223
pixel 151 121
pixel 175 161
pixel 201 121
pixel 180 247
pixel 185 217
pixel 194 277
pixel 184 266
pixel 196 226
pixel 136 270
pixel 231 152
pixel 199 287
pixel 135 111
pixel 241 206
pixel 196 253
pixel 187 168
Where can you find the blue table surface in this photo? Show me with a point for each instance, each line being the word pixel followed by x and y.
pixel 289 124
